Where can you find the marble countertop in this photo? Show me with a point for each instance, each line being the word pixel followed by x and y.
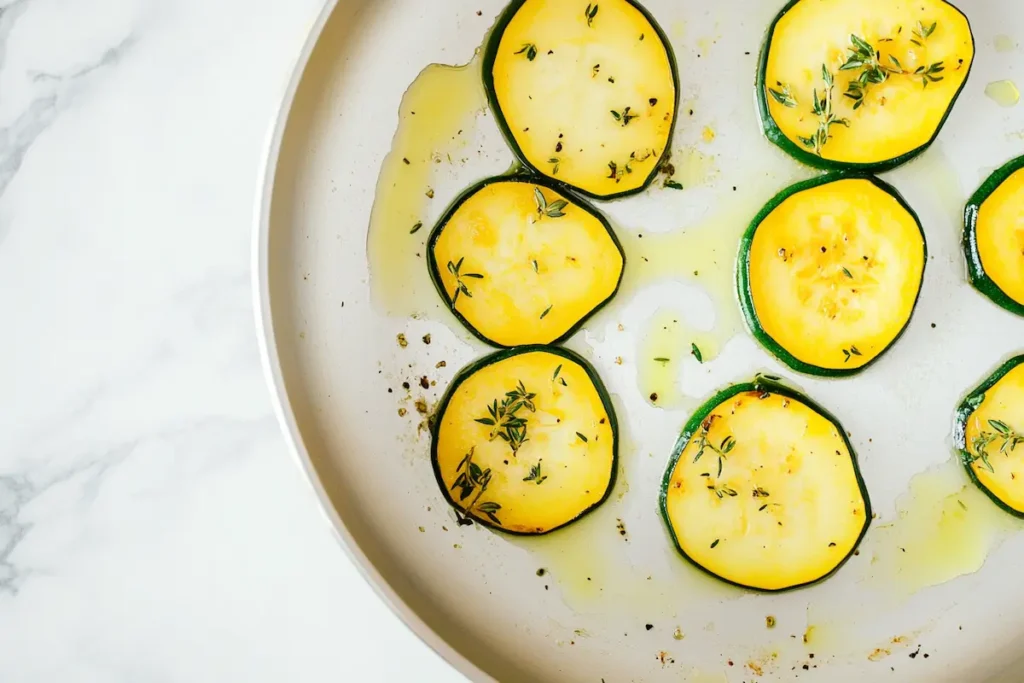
pixel 153 526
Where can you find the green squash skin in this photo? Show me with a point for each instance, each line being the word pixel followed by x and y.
pixel 746 298
pixel 775 135
pixel 466 372
pixel 526 178
pixel 964 412
pixel 979 279
pixel 491 52
pixel 772 385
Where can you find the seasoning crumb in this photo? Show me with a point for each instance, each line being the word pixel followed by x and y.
pixel 769 621
pixel 542 571
pixel 678 634
pixel 405 385
pixel 441 364
pixel 649 626
pixel 405 161
pixel 421 406
pixel 618 360
pixel 621 526
pixel 426 338
pixel 622 327
pixel 430 193
pixel 402 412
pixel 654 397
pixel 422 530
pixel 402 341
pixel 879 654
pixel 424 382
pixel 302 335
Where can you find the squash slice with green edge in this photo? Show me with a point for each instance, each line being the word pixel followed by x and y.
pixel 861 84
pixel 763 490
pixel 994 237
pixel 989 435
pixel 585 93
pixel 830 271
pixel 525 440
pixel 520 262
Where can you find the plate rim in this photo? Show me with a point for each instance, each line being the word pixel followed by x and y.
pixel 274 377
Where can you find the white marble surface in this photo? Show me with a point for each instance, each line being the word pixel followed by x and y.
pixel 152 524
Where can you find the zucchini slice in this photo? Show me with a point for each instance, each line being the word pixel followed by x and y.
pixel 585 93
pixel 863 84
pixel 830 271
pixel 520 262
pixel 989 434
pixel 525 440
pixel 763 489
pixel 994 237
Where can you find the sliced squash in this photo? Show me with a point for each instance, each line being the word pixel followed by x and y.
pixel 520 262
pixel 861 84
pixel 763 489
pixel 525 440
pixel 989 433
pixel 994 237
pixel 585 93
pixel 830 271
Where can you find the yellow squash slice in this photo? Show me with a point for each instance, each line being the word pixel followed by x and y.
pixel 585 93
pixel 525 440
pixel 989 433
pixel 994 237
pixel 763 489
pixel 521 263
pixel 862 83
pixel 830 272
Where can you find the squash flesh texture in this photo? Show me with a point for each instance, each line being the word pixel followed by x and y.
pixel 899 115
pixel 1003 402
pixel 813 498
pixel 563 94
pixel 803 297
pixel 578 473
pixel 500 234
pixel 1000 236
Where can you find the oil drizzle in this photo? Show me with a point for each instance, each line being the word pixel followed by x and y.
pixel 944 528
pixel 436 117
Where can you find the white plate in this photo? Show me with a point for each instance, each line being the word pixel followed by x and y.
pixel 337 372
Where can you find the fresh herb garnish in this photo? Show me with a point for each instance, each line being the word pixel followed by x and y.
pixel 703 444
pixel 555 377
pixel 760 493
pixel 673 184
pixel 415 228
pixel 557 164
pixel 850 352
pixel 723 491
pixel 868 60
pixel 1007 438
pixel 847 273
pixel 552 210
pixel 922 32
pixel 695 350
pixel 826 118
pixel 591 13
pixel 535 475
pixel 663 361
pixel 582 438
pixel 783 96
pixel 530 49
pixel 546 311
pixel 624 117
pixel 715 542
pixel 460 286
pixel 472 478
pixel 505 421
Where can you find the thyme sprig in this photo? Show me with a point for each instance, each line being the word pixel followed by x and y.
pixel 505 419
pixel 474 479
pixel 624 117
pixel 873 70
pixel 535 475
pixel 1007 438
pixel 591 12
pixel 552 210
pixel 460 285
pixel 530 49
pixel 822 108
pixel 783 95
pixel 850 353
pixel 704 444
